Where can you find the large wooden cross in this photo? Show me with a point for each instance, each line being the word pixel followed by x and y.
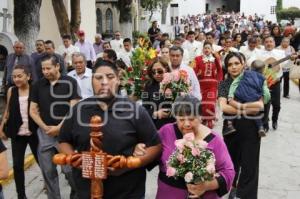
pixel 95 163
pixel 5 16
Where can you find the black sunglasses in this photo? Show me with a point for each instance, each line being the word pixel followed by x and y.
pixel 160 72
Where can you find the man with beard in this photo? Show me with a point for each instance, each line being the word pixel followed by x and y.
pixel 125 124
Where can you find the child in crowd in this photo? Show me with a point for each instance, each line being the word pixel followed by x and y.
pixel 250 86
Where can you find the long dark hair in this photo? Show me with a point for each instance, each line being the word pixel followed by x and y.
pixel 26 71
pixel 233 54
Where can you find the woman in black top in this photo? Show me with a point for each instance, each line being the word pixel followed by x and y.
pixel 244 144
pixel 3 166
pixel 237 41
pixel 20 127
pixel 157 105
pixel 276 33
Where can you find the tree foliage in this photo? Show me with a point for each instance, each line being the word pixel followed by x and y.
pixel 279 5
pixel 124 7
pixel 278 8
pixel 291 13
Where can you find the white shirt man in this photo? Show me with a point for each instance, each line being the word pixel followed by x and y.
pixel 126 53
pixel 210 37
pixel 193 47
pixel 67 49
pixel 117 43
pixel 86 48
pixel 176 55
pixel 271 52
pixel 83 75
pixel 251 52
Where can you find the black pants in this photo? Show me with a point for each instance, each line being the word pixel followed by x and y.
pixel 244 149
pixel 286 83
pixel 19 144
pixel 275 102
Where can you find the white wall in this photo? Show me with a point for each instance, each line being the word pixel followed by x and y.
pixel 191 7
pixel 48 24
pixel 260 7
pixel 291 3
pixel 9 5
pixel 49 28
pixel 88 18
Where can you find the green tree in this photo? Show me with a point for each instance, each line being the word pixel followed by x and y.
pixel 278 8
pixel 291 13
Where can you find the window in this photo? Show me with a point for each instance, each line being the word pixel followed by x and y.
pixel 109 21
pixel 99 21
pixel 273 8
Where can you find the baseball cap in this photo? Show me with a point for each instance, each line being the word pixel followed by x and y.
pixel 80 33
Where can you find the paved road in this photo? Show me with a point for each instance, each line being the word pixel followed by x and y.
pixel 279 163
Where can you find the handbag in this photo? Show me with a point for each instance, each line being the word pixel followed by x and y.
pixel 295 71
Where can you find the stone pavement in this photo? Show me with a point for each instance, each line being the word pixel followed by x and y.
pixel 279 163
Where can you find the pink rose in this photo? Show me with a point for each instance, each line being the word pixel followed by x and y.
pixel 195 152
pixel 179 144
pixel 211 168
pixel 171 171
pixel 176 75
pixel 188 177
pixel 167 78
pixel 189 137
pixel 180 158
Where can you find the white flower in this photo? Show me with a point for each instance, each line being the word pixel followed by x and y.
pixel 188 177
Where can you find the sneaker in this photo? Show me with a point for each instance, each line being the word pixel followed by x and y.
pixel 228 129
pixel 262 132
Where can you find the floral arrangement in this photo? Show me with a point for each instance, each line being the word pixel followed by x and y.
pixel 191 160
pixel 177 81
pixel 135 76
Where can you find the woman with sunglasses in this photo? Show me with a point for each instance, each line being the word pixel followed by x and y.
pixel 155 102
pixel 209 72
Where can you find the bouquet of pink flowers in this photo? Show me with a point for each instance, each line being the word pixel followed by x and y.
pixel 177 81
pixel 191 160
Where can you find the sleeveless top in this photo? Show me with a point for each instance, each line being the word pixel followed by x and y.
pixel 15 119
pixel 24 128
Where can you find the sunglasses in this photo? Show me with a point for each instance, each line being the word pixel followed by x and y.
pixel 159 72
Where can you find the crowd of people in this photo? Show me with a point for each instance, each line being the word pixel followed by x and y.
pixel 225 57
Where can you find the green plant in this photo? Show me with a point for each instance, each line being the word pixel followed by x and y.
pixel 290 13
